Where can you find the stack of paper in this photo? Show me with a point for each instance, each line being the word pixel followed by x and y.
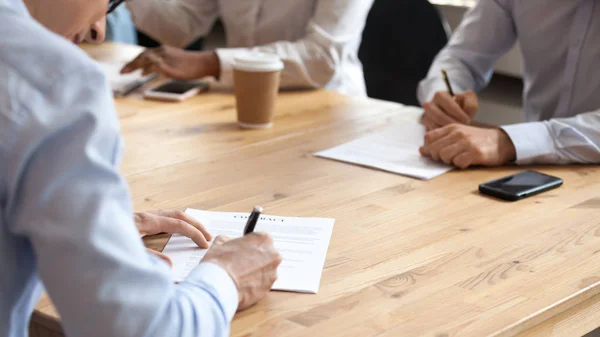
pixel 395 149
pixel 122 84
pixel 302 243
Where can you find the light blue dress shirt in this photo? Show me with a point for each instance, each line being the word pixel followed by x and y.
pixel 119 26
pixel 560 41
pixel 65 212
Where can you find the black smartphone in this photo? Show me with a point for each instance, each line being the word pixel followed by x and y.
pixel 521 185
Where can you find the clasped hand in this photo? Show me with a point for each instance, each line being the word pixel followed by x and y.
pixel 451 139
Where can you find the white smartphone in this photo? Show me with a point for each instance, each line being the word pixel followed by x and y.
pixel 176 91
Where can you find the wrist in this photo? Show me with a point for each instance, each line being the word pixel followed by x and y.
pixel 506 148
pixel 211 64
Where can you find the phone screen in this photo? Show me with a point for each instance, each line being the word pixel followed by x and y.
pixel 177 87
pixel 523 182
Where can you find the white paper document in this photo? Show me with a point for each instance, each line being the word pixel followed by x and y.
pixel 121 84
pixel 302 243
pixel 394 149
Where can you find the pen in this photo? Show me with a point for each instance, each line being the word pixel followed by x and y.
pixel 448 84
pixel 252 220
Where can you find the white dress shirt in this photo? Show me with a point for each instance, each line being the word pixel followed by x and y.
pixel 65 212
pixel 560 41
pixel 318 40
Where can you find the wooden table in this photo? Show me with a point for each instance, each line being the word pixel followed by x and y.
pixel 407 257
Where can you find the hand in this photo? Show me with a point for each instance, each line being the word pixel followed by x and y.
pixel 463 146
pixel 175 63
pixel 150 223
pixel 160 256
pixel 252 263
pixel 445 109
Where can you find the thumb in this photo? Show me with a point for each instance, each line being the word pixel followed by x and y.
pixel 161 256
pixel 470 103
pixel 460 100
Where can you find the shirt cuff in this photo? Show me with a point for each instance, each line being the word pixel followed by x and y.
pixel 219 284
pixel 226 58
pixel 531 140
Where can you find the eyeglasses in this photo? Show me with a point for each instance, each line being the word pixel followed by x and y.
pixel 113 4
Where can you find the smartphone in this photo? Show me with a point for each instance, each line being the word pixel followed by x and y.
pixel 176 91
pixel 521 185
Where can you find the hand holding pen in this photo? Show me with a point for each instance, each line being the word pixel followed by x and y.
pixel 251 261
pixel 449 106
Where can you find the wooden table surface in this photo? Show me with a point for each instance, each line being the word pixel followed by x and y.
pixel 407 257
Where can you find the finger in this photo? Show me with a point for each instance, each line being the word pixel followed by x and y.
pixel 184 228
pixel 448 105
pixel 150 69
pixel 192 221
pixel 463 160
pixel 460 100
pixel 434 135
pixel 436 114
pixel 429 124
pixel 470 104
pixel 138 62
pixel 436 146
pixel 448 153
pixel 161 256
pixel 145 59
pixel 423 151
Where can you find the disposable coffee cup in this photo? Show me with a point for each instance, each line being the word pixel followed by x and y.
pixel 256 79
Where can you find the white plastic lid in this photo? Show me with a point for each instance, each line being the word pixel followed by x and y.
pixel 258 62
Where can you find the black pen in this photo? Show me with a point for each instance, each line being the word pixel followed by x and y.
pixel 447 80
pixel 252 220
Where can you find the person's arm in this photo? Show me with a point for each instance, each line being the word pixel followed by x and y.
pixel 485 34
pixel 558 141
pixel 74 208
pixel 312 61
pixel 174 22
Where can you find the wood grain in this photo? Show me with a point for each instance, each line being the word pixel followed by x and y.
pixel 407 257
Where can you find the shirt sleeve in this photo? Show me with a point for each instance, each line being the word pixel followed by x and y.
pixel 174 22
pixel 486 33
pixel 312 61
pixel 558 141
pixel 74 208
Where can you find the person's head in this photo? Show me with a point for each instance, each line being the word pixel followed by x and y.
pixel 76 20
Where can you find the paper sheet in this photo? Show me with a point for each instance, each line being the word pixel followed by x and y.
pixel 302 243
pixel 122 84
pixel 395 149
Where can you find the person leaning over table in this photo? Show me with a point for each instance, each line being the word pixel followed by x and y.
pixel 318 40
pixel 66 217
pixel 560 42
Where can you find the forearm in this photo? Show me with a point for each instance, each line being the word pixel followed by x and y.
pixel 307 65
pixel 558 141
pixel 96 270
pixel 470 54
pixel 73 207
pixel 203 305
pixel 459 75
